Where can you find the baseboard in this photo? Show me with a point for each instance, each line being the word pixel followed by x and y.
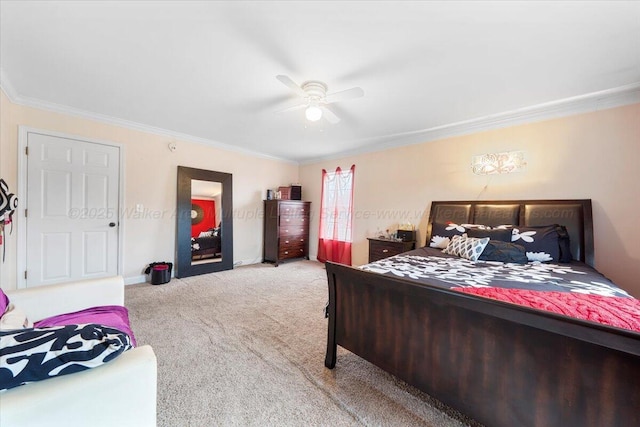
pixel 134 280
pixel 247 262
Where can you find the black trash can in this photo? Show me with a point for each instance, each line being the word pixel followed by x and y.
pixel 160 272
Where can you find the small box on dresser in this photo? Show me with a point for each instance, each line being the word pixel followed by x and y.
pixel 384 248
pixel 296 192
pixel 285 193
pixel 286 230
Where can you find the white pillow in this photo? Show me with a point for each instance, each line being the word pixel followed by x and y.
pixel 466 247
pixel 14 318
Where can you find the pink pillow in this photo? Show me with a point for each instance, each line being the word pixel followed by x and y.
pixel 4 302
pixel 114 316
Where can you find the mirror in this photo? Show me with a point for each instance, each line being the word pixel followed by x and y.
pixel 206 199
pixel 204 237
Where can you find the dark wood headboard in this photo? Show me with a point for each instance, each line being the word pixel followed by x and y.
pixel 574 214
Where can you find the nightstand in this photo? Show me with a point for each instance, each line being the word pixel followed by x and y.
pixel 384 248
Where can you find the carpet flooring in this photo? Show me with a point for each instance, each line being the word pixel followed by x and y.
pixel 247 346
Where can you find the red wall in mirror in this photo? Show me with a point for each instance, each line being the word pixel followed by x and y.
pixel 203 216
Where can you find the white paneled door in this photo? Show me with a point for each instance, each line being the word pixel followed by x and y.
pixel 72 209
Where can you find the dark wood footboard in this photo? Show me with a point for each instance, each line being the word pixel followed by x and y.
pixel 501 364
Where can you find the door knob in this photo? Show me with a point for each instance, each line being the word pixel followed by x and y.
pixel 112 224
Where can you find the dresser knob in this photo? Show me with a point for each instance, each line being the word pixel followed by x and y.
pixel 302 240
pixel 286 241
pixel 286 252
pixel 301 250
pixel 384 251
pixel 287 219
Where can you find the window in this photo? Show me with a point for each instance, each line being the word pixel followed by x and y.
pixel 336 214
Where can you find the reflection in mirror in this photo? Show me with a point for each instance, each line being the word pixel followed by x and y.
pixel 206 231
pixel 204 235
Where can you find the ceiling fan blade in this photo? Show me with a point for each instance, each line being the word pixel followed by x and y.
pixel 329 115
pixel 293 108
pixel 286 80
pixel 354 92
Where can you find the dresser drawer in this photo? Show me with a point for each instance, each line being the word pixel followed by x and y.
pixel 293 230
pixel 293 209
pixel 301 220
pixel 383 251
pixel 299 239
pixel 295 250
pixel 380 249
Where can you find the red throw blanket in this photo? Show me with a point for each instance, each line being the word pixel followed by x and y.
pixel 612 311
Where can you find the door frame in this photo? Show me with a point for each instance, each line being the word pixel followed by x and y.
pixel 23 132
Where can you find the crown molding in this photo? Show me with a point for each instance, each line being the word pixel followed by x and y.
pixel 596 101
pixel 7 87
pixel 128 124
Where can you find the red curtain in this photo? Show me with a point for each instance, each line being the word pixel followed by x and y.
pixel 336 213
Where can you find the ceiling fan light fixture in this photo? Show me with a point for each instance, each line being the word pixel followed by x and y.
pixel 313 113
pixel 315 99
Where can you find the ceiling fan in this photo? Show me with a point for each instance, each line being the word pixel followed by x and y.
pixel 316 100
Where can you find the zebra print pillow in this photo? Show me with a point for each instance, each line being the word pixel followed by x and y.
pixel 36 354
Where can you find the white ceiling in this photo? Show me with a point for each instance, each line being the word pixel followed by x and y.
pixel 207 69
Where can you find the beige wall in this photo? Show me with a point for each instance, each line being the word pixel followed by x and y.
pixel 150 179
pixel 594 155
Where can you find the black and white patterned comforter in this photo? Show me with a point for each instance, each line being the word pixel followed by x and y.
pixel 431 266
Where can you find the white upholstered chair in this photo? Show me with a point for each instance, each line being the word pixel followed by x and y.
pixel 121 392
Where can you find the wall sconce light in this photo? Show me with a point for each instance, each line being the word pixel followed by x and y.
pixel 507 162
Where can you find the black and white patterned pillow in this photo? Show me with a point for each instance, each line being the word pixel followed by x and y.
pixel 500 251
pixel 540 243
pixel 37 354
pixel 466 247
pixel 502 234
pixel 565 243
pixel 442 232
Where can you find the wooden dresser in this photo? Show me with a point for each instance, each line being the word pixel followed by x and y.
pixel 286 230
pixel 384 248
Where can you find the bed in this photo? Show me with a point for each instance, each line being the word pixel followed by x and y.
pixel 501 364
pixel 208 245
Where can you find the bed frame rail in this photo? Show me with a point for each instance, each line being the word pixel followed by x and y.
pixel 501 364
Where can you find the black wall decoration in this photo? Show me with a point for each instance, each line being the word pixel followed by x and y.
pixel 8 205
pixel 197 214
